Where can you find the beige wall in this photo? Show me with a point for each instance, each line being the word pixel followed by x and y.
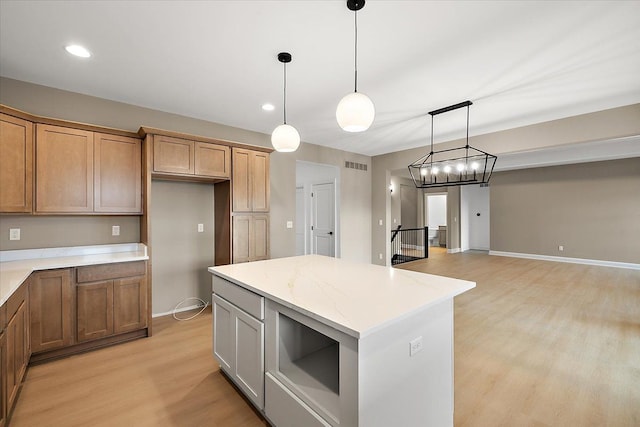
pixel 60 231
pixel 603 125
pixel 355 185
pixel 592 209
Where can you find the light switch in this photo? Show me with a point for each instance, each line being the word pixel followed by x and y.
pixel 14 234
pixel 380 222
pixel 200 228
pixel 289 224
pixel 115 230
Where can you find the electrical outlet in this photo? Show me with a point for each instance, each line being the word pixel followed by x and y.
pixel 380 222
pixel 115 230
pixel 200 228
pixel 561 248
pixel 289 224
pixel 14 234
pixel 380 256
pixel 415 346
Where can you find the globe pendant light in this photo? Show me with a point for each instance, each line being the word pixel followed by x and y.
pixel 285 138
pixel 355 111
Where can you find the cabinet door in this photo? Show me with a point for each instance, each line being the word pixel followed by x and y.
pixel 250 237
pixel 173 155
pixel 118 174
pixel 3 377
pixel 51 310
pixel 223 346
pixel 212 160
pixel 242 238
pixel 241 180
pixel 260 182
pixel 249 356
pixel 17 356
pixel 129 304
pixel 95 310
pixel 260 238
pixel 16 164
pixel 64 170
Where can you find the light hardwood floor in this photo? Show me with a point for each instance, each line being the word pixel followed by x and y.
pixel 536 344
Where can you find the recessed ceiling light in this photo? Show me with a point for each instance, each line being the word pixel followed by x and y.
pixel 78 50
pixel 268 107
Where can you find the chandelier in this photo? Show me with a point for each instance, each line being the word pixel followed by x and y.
pixel 455 166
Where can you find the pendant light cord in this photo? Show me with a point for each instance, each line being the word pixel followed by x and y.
pixel 355 60
pixel 284 101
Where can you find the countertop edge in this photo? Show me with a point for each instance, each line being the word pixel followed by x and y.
pixel 14 273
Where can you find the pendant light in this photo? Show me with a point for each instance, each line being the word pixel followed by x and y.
pixel 285 138
pixel 355 111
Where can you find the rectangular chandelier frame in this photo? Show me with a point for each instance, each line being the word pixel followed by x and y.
pixel 454 166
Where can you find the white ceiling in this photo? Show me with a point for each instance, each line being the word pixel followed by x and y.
pixel 520 62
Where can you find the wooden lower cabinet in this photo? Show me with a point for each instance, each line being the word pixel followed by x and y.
pixel 51 310
pixel 15 348
pixel 129 304
pixel 95 310
pixel 3 377
pixel 17 353
pixel 114 304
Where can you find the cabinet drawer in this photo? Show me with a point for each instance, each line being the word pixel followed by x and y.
pixel 246 300
pixel 15 301
pixel 94 273
pixel 284 409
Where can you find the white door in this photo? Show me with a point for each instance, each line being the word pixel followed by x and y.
pixel 323 219
pixel 478 217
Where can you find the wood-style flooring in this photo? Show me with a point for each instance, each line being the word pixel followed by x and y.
pixel 536 344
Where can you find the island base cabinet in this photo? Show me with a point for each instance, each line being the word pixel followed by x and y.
pixel 238 345
pixel 285 409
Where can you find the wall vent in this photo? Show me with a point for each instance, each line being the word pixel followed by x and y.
pixel 357 166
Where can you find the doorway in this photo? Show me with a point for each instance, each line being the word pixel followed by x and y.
pixel 317 207
pixel 435 208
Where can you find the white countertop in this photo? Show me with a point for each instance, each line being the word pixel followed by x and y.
pixel 356 298
pixel 16 266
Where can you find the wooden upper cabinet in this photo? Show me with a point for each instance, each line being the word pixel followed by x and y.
pixel 250 180
pixel 118 174
pixel 260 182
pixel 212 160
pixel 190 159
pixel 173 155
pixel 16 165
pixel 64 170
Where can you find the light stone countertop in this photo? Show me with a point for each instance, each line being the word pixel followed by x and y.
pixel 355 298
pixel 16 266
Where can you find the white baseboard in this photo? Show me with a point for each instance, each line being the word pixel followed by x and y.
pixel 180 310
pixel 454 250
pixel 601 263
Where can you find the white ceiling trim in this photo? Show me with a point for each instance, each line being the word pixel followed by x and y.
pixel 593 151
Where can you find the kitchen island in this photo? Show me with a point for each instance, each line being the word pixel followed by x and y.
pixel 319 341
